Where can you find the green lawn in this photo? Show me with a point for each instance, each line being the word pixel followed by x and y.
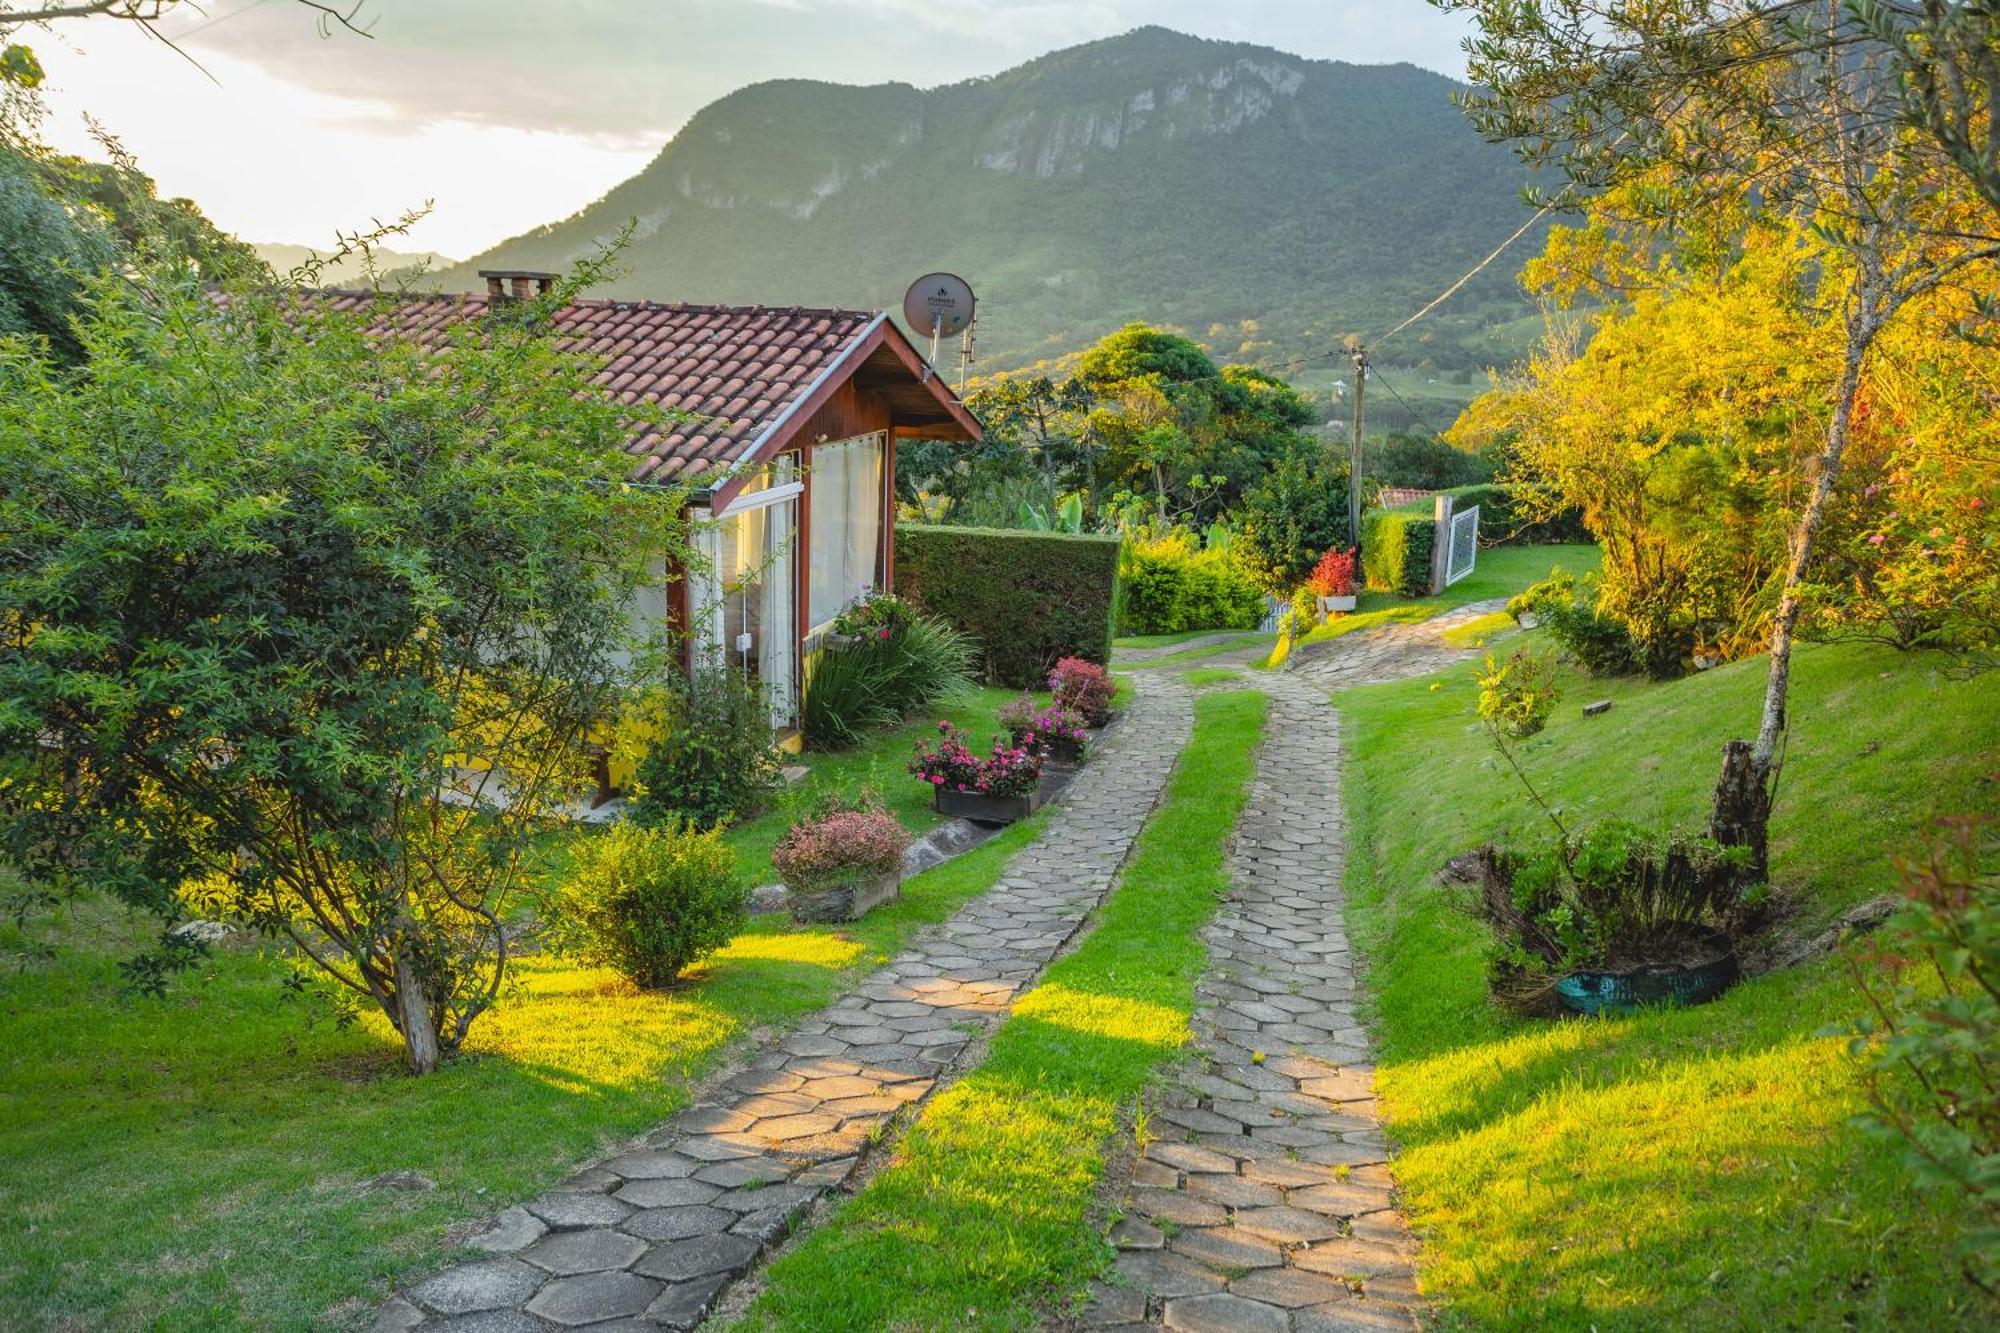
pixel 983 1217
pixel 877 766
pixel 1500 571
pixel 193 1162
pixel 1684 1169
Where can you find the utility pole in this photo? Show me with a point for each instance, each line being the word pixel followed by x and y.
pixel 1354 450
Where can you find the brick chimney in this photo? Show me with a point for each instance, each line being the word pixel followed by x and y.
pixel 514 284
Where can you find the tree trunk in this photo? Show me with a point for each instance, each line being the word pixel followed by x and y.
pixel 413 1018
pixel 1745 789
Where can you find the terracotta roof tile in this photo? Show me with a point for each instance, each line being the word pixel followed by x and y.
pixel 739 369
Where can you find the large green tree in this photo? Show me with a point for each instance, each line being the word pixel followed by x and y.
pixel 304 626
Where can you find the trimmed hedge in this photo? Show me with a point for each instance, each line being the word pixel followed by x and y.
pixel 1396 550
pixel 1501 525
pixel 1028 597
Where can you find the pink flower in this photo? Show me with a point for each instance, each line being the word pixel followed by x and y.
pixel 1876 540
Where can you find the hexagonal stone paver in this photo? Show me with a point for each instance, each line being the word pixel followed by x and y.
pixel 514 1229
pixel 491 1321
pixel 760 1170
pixel 1234 1191
pixel 567 1253
pixel 1352 1256
pixel 1165 1274
pixel 592 1298
pixel 677 1223
pixel 1226 1247
pixel 1131 1233
pixel 682 1305
pixel 566 1209
pixel 757 1198
pixel 655 1165
pixel 1288 1226
pixel 1343 1198
pixel 1352 1316
pixel 487 1284
pixel 699 1257
pixel 1178 1208
pixel 667 1193
pixel 1288 1287
pixel 713 1148
pixel 1190 1157
pixel 1224 1314
pixel 784 1128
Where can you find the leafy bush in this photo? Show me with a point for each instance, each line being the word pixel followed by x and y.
pixel 648 902
pixel 1599 643
pixel 1505 521
pixel 1170 584
pixel 1611 898
pixel 881 677
pixel 839 842
pixel 714 759
pixel 1396 551
pixel 1301 616
pixel 878 614
pixel 1936 1028
pixel 1423 461
pixel 1027 598
pixel 1008 770
pixel 1085 687
pixel 1290 517
pixel 1518 696
pixel 1333 576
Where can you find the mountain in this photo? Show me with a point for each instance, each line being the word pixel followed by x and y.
pixel 284 258
pixel 1265 203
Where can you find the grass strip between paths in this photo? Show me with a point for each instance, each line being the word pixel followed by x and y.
pixel 982 1218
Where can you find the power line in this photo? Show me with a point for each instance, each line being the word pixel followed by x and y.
pixel 1470 274
pixel 1404 401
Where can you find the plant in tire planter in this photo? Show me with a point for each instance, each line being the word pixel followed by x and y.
pixel 841 860
pixel 1057 731
pixel 1004 786
pixel 1084 686
pixel 1332 581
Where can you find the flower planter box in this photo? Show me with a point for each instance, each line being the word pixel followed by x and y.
pixel 849 900
pixel 1066 751
pixel 984 809
pixel 1338 603
pixel 1624 992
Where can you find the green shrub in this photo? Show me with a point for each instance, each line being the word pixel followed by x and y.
pixel 1936 996
pixel 1396 551
pixel 1297 512
pixel 648 902
pixel 714 758
pixel 1599 643
pixel 881 676
pixel 1028 598
pixel 1503 521
pixel 1171 584
pixel 1517 696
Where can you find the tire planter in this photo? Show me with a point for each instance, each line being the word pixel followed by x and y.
pixel 1626 991
pixel 982 808
pixel 848 900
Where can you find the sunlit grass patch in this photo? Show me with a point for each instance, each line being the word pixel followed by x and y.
pixel 982 1219
pixel 1202 677
pixel 1501 572
pixel 1479 632
pixel 1688 1168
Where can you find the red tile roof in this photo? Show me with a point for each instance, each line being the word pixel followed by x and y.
pixel 739 369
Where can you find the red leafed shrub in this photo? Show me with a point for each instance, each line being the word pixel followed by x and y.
pixel 1010 770
pixel 1333 576
pixel 840 844
pixel 1085 687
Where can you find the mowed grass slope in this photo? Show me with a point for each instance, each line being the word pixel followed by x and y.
pixel 196 1162
pixel 1681 1169
pixel 982 1219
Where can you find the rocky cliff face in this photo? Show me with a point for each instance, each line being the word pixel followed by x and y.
pixel 1156 176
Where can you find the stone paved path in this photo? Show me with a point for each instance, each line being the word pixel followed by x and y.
pixel 1131 657
pixel 649 1238
pixel 1264 1204
pixel 1388 652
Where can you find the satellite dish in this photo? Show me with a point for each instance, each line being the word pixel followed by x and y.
pixel 938 305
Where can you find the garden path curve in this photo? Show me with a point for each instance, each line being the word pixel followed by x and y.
pixel 1389 652
pixel 649 1238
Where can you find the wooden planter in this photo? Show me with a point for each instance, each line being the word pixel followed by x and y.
pixel 847 900
pixel 984 809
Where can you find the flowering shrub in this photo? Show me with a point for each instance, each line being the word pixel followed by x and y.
pixel 1010 770
pixel 1333 576
pixel 1085 687
pixel 1057 726
pixel 838 843
pixel 876 616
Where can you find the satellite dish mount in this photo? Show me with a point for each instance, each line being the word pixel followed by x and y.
pixel 941 304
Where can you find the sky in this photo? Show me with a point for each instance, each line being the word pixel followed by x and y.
pixel 505 114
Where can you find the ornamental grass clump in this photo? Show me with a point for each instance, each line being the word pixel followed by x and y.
pixel 1008 770
pixel 1084 686
pixel 1055 730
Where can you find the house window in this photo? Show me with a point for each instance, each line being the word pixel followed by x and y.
pixel 846 534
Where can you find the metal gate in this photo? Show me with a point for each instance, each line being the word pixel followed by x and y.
pixel 1464 545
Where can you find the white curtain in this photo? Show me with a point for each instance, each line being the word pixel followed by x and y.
pixel 846 524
